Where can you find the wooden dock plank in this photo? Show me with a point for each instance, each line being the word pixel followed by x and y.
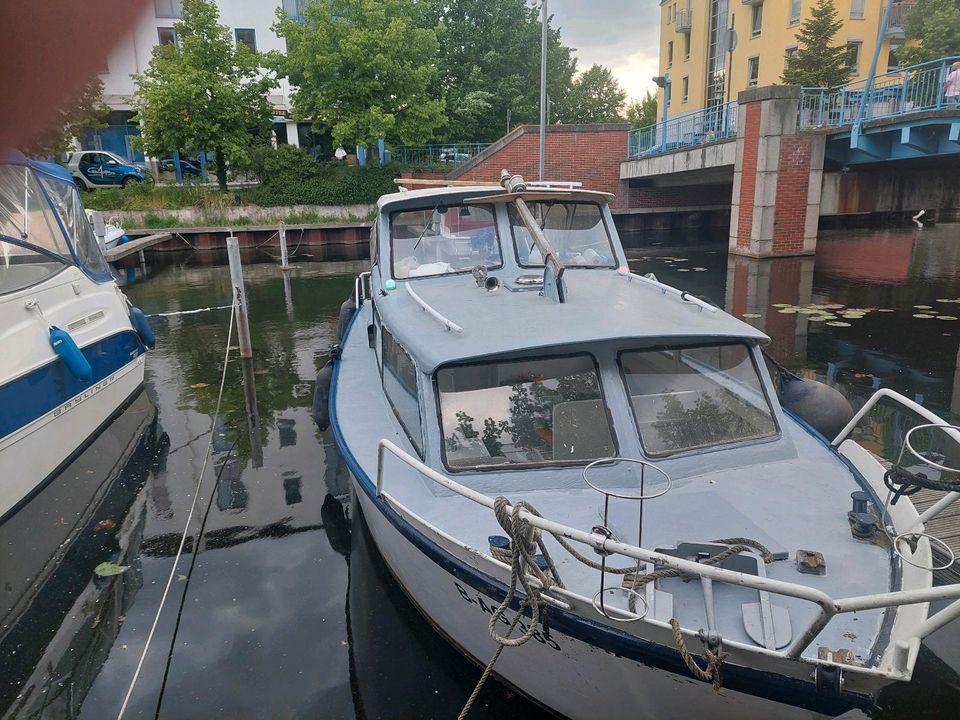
pixel 121 251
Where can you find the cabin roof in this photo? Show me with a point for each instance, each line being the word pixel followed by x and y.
pixel 490 193
pixel 601 305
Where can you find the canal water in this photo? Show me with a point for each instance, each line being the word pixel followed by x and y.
pixel 281 606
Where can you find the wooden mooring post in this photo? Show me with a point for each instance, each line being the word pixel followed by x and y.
pixel 284 260
pixel 239 296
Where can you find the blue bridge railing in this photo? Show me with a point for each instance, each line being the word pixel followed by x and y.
pixel 447 155
pixel 900 92
pixel 695 128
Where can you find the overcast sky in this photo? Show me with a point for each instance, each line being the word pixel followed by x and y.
pixel 621 34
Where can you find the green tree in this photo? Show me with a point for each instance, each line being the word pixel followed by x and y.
pixel 818 62
pixel 84 111
pixel 935 26
pixel 641 113
pixel 595 97
pixel 489 64
pixel 204 92
pixel 363 69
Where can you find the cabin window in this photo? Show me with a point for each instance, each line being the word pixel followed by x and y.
pixel 691 398
pixel 576 231
pixel 525 412
pixel 400 387
pixel 443 239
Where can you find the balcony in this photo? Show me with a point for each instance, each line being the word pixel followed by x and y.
pixel 898 16
pixel 752 2
pixel 684 21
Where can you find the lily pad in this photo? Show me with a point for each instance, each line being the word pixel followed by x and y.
pixel 924 316
pixel 838 323
pixel 699 269
pixel 884 310
pixel 817 318
pixel 752 315
pixel 787 311
pixel 945 317
pixel 106 569
pixel 683 269
pixel 781 305
pixel 924 307
pixel 808 311
pixel 833 306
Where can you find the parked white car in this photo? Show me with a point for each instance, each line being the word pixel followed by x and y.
pixel 93 169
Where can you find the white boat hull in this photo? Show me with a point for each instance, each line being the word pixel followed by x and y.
pixel 31 455
pixel 565 674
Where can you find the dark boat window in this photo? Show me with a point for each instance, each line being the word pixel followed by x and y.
pixel 400 387
pixel 689 398
pixel 444 239
pixel 526 412
pixel 576 231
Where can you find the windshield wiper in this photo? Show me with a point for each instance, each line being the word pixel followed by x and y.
pixel 426 227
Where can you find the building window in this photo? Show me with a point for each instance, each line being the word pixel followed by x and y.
pixel 166 36
pixel 247 36
pixel 893 62
pixel 753 71
pixel 853 55
pixel 789 54
pixel 168 8
pixel 685 88
pixel 795 11
pixel 857 9
pixel 686 46
pixel 670 53
pixel 293 9
pixel 756 20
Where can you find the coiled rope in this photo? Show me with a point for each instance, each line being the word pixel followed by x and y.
pixel 525 540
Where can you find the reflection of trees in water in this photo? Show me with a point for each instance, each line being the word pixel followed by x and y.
pixel 530 412
pixel 711 420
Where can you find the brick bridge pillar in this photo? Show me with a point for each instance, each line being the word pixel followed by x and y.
pixel 778 177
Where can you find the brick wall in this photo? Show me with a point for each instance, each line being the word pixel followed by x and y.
pixel 590 154
pixel 793 185
pixel 748 182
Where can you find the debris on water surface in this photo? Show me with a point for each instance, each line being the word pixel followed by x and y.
pixel 107 524
pixel 106 569
pixel 197 386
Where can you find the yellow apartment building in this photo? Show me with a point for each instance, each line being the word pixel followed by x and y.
pixel 695 52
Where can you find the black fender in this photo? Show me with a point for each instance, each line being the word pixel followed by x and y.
pixel 321 397
pixel 347 309
pixel 822 407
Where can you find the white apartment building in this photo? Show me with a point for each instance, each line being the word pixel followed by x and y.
pixel 250 22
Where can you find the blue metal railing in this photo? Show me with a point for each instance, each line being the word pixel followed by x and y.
pixel 695 128
pixel 900 92
pixel 447 155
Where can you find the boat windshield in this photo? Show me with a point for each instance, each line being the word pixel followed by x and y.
pixel 576 230
pixel 40 215
pixel 528 412
pixel 690 398
pixel 443 239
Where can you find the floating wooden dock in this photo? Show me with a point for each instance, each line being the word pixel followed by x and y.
pixel 945 527
pixel 119 252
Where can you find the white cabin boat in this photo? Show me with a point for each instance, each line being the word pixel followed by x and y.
pixel 71 346
pixel 582 403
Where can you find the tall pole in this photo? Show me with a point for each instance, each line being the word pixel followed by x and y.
pixel 868 90
pixel 543 82
pixel 239 296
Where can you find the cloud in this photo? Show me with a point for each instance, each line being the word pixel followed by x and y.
pixel 621 34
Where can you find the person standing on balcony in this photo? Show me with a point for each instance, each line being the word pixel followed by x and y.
pixel 951 86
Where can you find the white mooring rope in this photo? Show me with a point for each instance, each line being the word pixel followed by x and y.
pixel 186 528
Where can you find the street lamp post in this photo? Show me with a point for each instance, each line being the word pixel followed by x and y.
pixel 663 81
pixel 543 82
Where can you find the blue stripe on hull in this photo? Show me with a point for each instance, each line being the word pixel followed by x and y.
pixel 749 681
pixel 33 395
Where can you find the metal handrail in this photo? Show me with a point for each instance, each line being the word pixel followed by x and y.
pixel 829 607
pixel 360 288
pixel 431 311
pixel 707 125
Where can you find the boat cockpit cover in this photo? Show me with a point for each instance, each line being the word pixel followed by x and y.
pixel 41 212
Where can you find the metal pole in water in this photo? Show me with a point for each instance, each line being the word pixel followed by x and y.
pixel 543 83
pixel 284 261
pixel 239 296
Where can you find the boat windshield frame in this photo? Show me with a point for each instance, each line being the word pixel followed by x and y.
pixel 511 466
pixel 42 176
pixel 776 434
pixel 511 217
pixel 434 208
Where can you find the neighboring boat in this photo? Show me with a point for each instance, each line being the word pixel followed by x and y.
pixel 477 387
pixel 113 232
pixel 71 346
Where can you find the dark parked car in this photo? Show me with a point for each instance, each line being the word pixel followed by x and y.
pixel 187 167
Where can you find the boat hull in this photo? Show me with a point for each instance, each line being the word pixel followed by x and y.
pixel 563 672
pixel 33 454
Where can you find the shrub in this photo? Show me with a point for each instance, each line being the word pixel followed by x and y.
pixel 290 176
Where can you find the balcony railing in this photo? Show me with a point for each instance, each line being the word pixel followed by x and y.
pixel 900 92
pixel 898 16
pixel 695 128
pixel 684 20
